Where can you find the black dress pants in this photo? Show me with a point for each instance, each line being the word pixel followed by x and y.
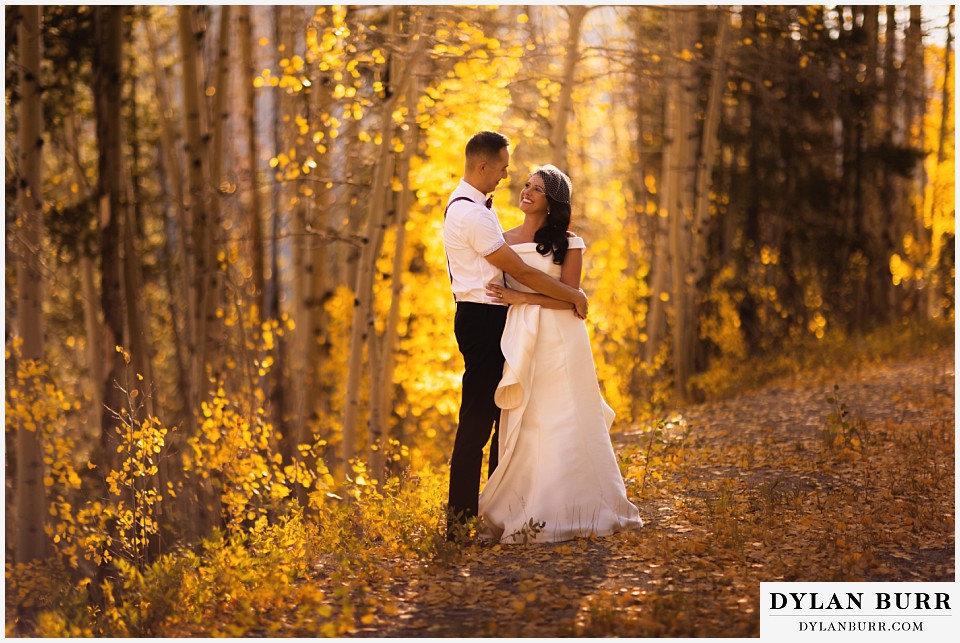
pixel 478 328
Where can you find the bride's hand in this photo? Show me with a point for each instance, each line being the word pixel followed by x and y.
pixel 580 306
pixel 502 294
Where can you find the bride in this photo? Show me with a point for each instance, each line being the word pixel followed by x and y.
pixel 557 477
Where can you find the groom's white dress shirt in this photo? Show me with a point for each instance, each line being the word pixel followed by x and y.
pixel 471 231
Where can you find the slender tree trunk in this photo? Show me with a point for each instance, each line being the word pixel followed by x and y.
pixel 646 228
pixel 708 145
pixel 656 320
pixel 279 395
pixel 108 39
pixel 363 314
pixel 749 232
pixel 198 201
pixel 221 97
pixel 893 128
pixel 31 541
pixel 107 80
pixel 181 312
pixel 349 253
pixel 914 110
pixel 138 324
pixel 137 330
pixel 250 115
pixel 190 206
pixel 214 275
pixel 316 336
pixel 404 198
pixel 660 270
pixel 295 432
pixel 681 108
pixel 891 185
pixel 94 329
pixel 879 247
pixel 205 514
pixel 558 133
pixel 381 391
pixel 375 352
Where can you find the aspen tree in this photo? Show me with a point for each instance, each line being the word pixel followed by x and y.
pixel 30 500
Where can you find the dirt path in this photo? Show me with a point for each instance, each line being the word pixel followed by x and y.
pixel 758 487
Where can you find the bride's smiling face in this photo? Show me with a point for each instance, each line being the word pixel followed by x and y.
pixel 533 196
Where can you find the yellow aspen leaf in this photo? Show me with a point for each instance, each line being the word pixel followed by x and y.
pixel 329 630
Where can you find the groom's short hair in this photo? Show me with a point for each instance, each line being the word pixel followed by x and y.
pixel 486 144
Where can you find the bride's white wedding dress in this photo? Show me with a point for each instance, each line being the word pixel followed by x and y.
pixel 557 476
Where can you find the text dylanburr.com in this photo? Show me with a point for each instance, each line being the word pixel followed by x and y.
pixel 858 611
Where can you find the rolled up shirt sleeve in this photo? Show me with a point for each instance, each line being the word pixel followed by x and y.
pixel 483 233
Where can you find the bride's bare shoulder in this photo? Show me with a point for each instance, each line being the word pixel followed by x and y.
pixel 510 236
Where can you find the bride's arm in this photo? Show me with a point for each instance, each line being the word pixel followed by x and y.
pixel 569 274
pixel 511 296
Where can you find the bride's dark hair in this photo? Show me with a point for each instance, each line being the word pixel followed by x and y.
pixel 552 236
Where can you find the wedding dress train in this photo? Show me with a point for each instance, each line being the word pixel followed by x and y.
pixel 557 476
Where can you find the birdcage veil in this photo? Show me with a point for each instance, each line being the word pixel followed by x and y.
pixel 556 183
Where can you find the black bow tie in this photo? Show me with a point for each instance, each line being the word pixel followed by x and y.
pixel 489 202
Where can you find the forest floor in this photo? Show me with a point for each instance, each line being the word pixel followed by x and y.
pixel 797 481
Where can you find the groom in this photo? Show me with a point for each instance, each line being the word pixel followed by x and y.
pixel 477 254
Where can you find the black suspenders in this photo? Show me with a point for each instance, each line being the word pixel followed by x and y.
pixel 450 272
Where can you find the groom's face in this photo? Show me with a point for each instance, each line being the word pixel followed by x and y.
pixel 496 170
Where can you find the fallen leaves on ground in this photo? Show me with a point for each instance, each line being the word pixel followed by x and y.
pixel 820 478
pixel 762 492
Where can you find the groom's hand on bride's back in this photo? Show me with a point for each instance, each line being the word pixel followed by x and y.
pixel 510 262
